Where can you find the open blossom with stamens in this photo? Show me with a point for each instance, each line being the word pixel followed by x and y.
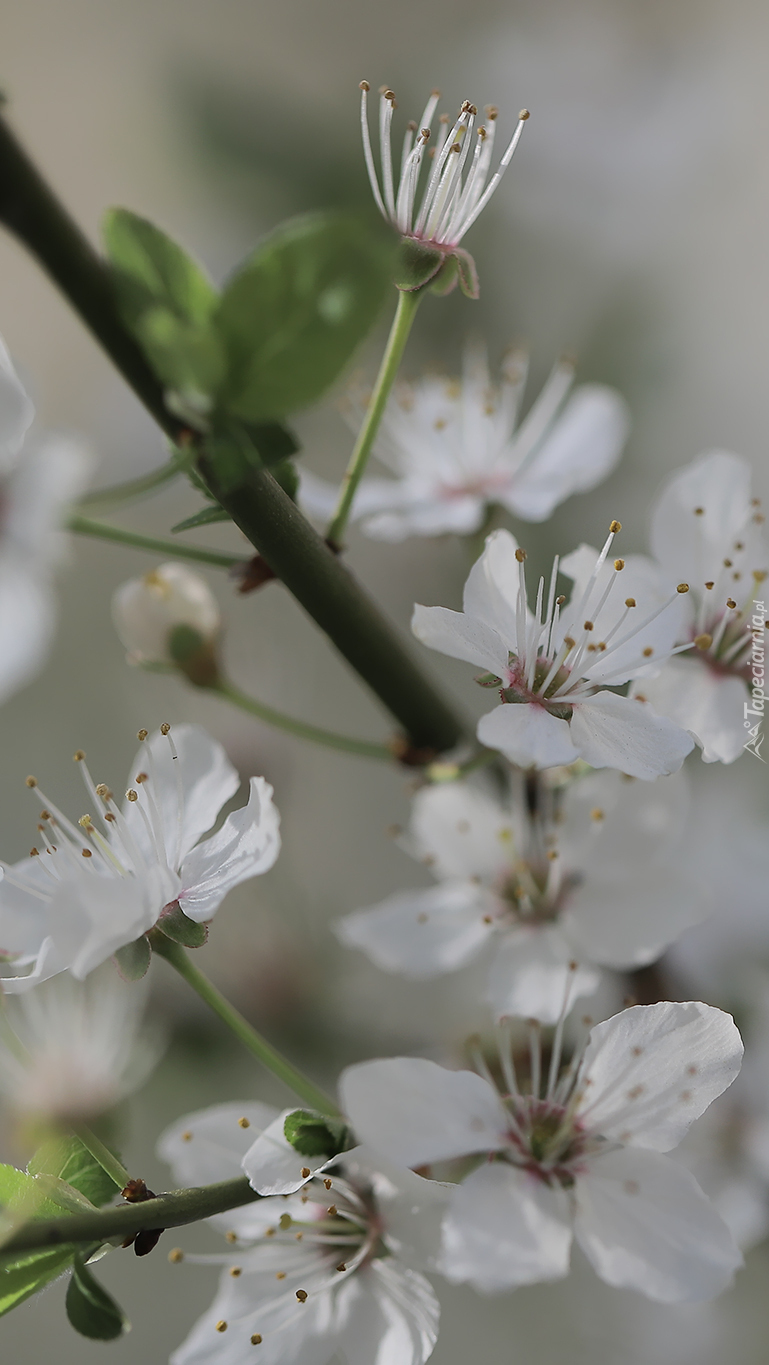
pixel 454 193
pixel 82 1048
pixel 90 888
pixel 332 1271
pixel 590 877
pixel 38 479
pixel 457 448
pixel 579 1154
pixel 708 526
pixel 554 667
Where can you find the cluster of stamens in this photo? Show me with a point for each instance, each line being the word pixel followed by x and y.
pixel 450 205
pixel 724 629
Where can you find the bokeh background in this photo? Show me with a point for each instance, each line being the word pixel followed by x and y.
pixel 632 230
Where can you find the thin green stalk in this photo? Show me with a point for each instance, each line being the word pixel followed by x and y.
pixel 363 747
pixel 173 1210
pixel 104 498
pixel 256 1044
pixel 408 302
pixel 106 1159
pixel 84 526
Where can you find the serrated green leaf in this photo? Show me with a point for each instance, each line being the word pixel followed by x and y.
pixel 133 959
pixel 314 1134
pixel 294 314
pixel 90 1309
pixel 206 517
pixel 181 929
pixel 69 1160
pixel 153 270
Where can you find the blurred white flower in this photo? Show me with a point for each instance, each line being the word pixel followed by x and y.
pixel 84 893
pixel 449 205
pixel 457 448
pixel 707 526
pixel 593 877
pixel 70 1050
pixel 582 1152
pixel 553 668
pixel 333 1270
pixel 147 611
pixel 38 480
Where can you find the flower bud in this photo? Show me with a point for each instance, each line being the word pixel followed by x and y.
pixel 170 616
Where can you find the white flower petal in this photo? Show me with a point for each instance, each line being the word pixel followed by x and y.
pixel 201 774
pixel 644 1223
pixel 48 477
pixel 416 1112
pixel 460 636
pixel 491 590
pixel 458 515
pixel 580 449
pixel 630 921
pixel 390 1316
pixel 247 844
pixel 505 1228
pixel 16 411
pixel 27 621
pixel 531 975
pixel 461 830
pixel 93 916
pixel 625 733
pixel 692 547
pixel 528 735
pixel 421 933
pixel 649 1071
pixel 706 703
pixel 273 1166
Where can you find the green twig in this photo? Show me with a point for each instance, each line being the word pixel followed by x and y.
pixel 116 1224
pixel 408 302
pixel 104 498
pixel 258 506
pixel 256 1044
pixel 84 526
pixel 363 747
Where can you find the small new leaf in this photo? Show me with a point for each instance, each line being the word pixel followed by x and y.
pixel 150 269
pixel 206 517
pixel 293 315
pixel 313 1134
pixel 90 1309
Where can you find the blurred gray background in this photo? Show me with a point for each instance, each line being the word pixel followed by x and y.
pixel 632 230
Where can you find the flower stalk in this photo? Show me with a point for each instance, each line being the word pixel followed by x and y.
pixel 85 526
pixel 300 729
pixel 258 1046
pixel 408 302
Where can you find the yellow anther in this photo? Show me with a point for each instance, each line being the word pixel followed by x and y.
pixel 78 756
pixel 221 1325
pixel 731 604
pixel 703 641
pixel 132 795
pixel 682 587
pixel 235 1271
pixel 301 1294
pixel 699 511
pixel 520 555
pixel 630 601
pixel 165 727
pixel 86 852
pixel 256 1339
pixel 244 1123
pixel 176 1256
pixel 615 526
pixel 619 564
pixel 597 814
pixel 233 1236
pixel 142 734
pixel 710 585
pixel 588 625
pixel 523 114
pixel 187 1136
pixel 647 653
pixel 31 781
pixel 363 85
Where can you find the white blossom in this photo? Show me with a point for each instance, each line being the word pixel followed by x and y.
pixel 458 447
pixel 553 668
pixel 146 611
pixel 454 193
pixel 577 1155
pixel 92 887
pixel 335 1269
pixel 708 526
pixel 38 480
pixel 591 877
pixel 71 1050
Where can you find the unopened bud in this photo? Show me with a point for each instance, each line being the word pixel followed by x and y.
pixel 170 616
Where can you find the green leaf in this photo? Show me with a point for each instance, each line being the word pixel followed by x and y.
pixel 90 1309
pixel 69 1160
pixel 202 518
pixel 133 959
pixel 186 356
pixel 314 1134
pixel 27 1274
pixel 151 269
pixel 294 314
pixel 181 929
